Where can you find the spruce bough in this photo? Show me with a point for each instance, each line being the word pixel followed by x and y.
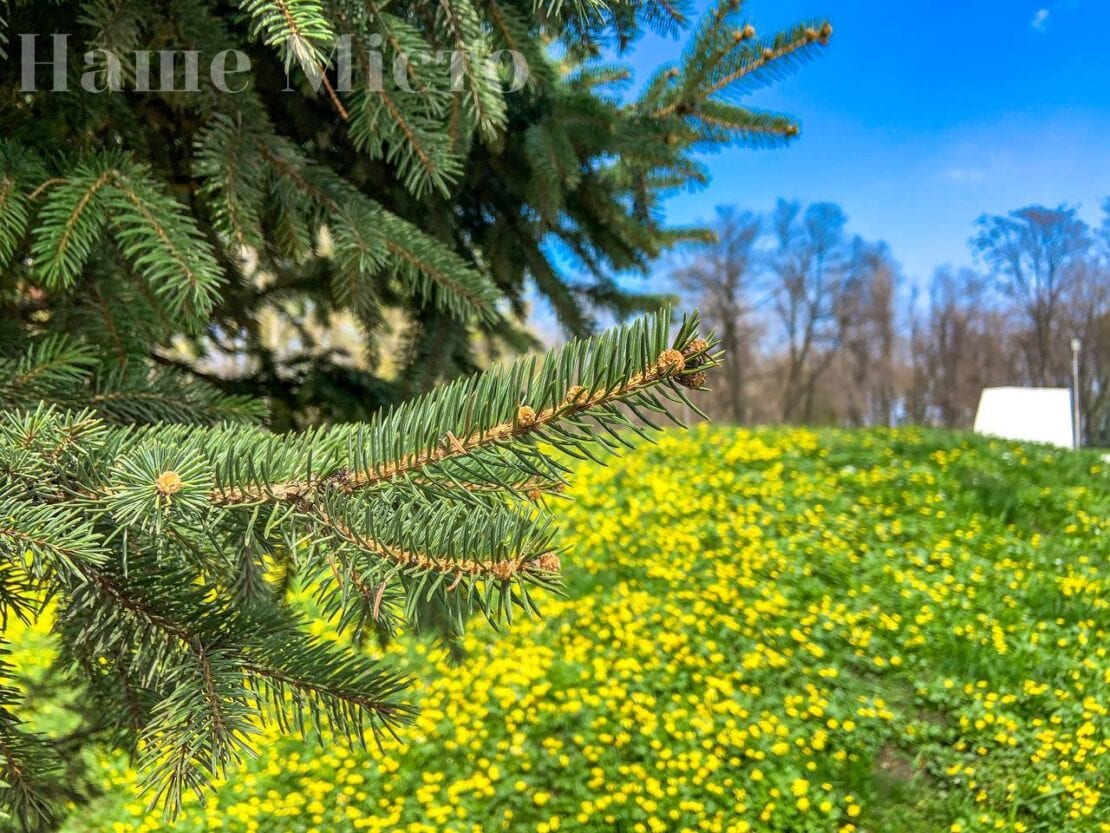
pixel 153 502
pixel 153 543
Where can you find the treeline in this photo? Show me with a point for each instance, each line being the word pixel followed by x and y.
pixel 820 326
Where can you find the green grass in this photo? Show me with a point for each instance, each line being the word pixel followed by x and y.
pixel 894 631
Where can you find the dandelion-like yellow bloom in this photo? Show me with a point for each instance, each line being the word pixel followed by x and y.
pixel 759 628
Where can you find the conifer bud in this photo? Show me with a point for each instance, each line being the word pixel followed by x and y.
pixel 575 395
pixel 548 562
pixel 695 354
pixel 525 416
pixel 671 362
pixel 503 570
pixel 825 33
pixel 168 482
pixel 768 54
pixel 811 34
pixel 672 72
pixel 748 32
pixel 693 380
pixel 697 346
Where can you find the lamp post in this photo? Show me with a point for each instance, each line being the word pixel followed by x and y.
pixel 1076 436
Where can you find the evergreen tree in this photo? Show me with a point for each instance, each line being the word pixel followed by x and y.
pixel 440 203
pixel 145 234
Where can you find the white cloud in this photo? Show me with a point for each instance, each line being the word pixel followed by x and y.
pixel 965 174
pixel 1040 20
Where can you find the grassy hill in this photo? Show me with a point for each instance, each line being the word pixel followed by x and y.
pixel 778 630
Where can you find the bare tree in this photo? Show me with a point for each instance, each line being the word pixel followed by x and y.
pixel 960 343
pixel 868 335
pixel 807 291
pixel 1035 254
pixel 721 276
pixel 1086 316
pixel 816 326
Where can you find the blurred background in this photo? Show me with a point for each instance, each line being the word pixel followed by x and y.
pixel 939 226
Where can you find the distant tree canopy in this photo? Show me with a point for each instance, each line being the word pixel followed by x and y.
pixel 800 300
pixel 830 332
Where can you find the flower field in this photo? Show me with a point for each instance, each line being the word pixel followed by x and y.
pixel 778 630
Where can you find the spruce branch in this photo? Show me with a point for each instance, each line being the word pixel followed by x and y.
pixel 30 767
pixel 53 539
pixel 426 495
pixel 302 34
pixel 200 728
pixel 48 369
pixel 726 57
pixel 768 60
pixel 233 179
pixel 146 394
pixel 163 244
pixel 484 102
pixel 308 679
pixel 232 670
pixel 71 220
pixel 499 416
pixel 19 171
pixel 391 125
pixel 666 17
pixel 512 407
pixel 431 271
pixel 471 555
pixel 152 230
pixel 400 38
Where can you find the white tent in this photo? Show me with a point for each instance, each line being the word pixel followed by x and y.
pixel 1042 415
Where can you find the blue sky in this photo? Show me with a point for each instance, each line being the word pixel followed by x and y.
pixel 918 117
